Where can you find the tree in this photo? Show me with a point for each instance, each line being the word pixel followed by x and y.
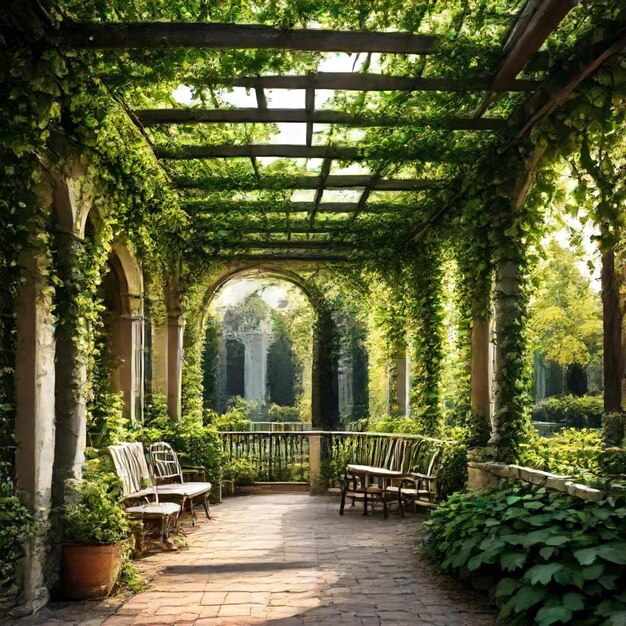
pixel 565 323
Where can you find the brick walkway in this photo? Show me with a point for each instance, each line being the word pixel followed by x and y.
pixel 290 559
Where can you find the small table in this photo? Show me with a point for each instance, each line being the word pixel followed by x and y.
pixel 365 475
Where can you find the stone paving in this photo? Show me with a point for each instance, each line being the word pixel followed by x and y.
pixel 289 559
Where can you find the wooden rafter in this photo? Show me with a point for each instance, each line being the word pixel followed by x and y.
pixel 304 244
pixel 338 181
pixel 247 207
pixel 263 258
pixel 567 77
pixel 537 21
pixel 321 186
pixel 150 35
pixel 149 117
pixel 347 153
pixel 354 81
pixel 299 227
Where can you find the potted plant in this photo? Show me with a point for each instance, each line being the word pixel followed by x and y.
pixel 94 525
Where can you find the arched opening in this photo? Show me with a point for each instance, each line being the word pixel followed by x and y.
pixel 123 332
pixel 290 345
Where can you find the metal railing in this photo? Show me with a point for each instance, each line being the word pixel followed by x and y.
pixel 320 456
pixel 276 456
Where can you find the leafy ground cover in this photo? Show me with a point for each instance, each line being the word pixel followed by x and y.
pixel 547 557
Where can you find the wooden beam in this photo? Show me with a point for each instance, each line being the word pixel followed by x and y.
pixel 305 244
pixel 309 113
pixel 300 227
pixel 245 207
pixel 260 258
pixel 343 181
pixel 526 41
pixel 347 153
pixel 537 21
pixel 591 54
pixel 150 35
pixel 149 117
pixel 354 81
pixel 321 186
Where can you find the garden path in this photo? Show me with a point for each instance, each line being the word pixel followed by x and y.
pixel 289 559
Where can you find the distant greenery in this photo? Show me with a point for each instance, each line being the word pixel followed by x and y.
pixel 550 558
pixel 565 321
pixel 574 411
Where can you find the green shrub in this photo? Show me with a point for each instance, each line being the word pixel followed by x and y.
pixel 614 427
pixel 573 411
pixel 242 471
pixel 552 558
pixel 277 413
pixel 572 452
pixel 94 515
pixel 15 526
pixel 232 420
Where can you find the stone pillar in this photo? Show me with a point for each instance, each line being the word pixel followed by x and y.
pixel 71 371
pixel 318 484
pixel 402 384
pixel 34 420
pixel 159 357
pixel 175 326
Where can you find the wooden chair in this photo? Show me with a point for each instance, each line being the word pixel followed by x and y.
pixel 171 476
pixel 419 488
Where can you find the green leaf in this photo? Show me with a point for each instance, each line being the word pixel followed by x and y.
pixel 547 552
pixel 614 553
pixel 586 556
pixel 591 572
pixel 574 601
pixel 553 615
pixel 506 587
pixel 542 574
pixel 510 561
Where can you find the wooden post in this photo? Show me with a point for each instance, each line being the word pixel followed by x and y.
pixel 480 369
pixel 612 322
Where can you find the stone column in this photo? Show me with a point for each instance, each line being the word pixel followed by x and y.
pixel 402 383
pixel 34 420
pixel 175 326
pixel 159 357
pixel 318 484
pixel 71 371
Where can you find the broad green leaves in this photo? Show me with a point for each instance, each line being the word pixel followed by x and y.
pixel 562 564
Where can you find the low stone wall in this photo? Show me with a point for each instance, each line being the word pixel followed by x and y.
pixel 482 475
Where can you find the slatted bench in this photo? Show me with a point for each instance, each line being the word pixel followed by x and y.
pixel 170 476
pixel 140 496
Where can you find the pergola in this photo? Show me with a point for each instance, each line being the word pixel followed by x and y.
pixel 512 84
pixel 398 153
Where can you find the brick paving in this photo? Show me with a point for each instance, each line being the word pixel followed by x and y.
pixel 289 559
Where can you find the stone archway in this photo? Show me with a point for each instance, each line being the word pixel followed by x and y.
pixel 123 320
pixel 324 392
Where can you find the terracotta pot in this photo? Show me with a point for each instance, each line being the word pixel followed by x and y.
pixel 89 572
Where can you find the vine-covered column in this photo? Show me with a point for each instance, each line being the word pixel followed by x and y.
pixel 175 353
pixel 75 311
pixel 34 395
pixel 510 234
pixel 474 258
pixel 423 290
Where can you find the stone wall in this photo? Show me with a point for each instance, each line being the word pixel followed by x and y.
pixel 482 475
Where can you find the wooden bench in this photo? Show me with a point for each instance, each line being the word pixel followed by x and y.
pixel 170 476
pixel 140 495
